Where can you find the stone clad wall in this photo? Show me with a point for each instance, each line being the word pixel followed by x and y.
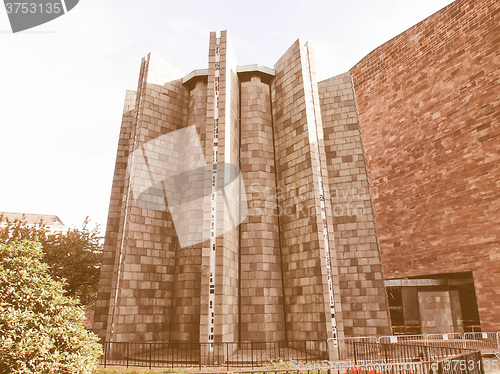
pixel 428 105
pixel 145 284
pixel 303 273
pixel 185 321
pixel 262 314
pixel 209 142
pixel 277 275
pixel 364 299
pixel 142 282
pixel 115 216
pixel 439 310
pixel 229 150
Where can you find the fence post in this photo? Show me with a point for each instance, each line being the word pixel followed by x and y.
pixel 199 354
pixel 355 353
pixel 480 359
pixel 251 348
pixel 385 353
pixel 150 352
pixel 328 357
pixel 227 356
pixel 467 357
pixel 498 341
pixel 105 354
pixel 265 347
pixel 126 352
pixel 305 348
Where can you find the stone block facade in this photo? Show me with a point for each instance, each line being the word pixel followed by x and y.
pixel 439 311
pixel 261 279
pixel 361 281
pixel 293 270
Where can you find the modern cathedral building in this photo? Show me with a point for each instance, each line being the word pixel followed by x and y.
pixel 252 203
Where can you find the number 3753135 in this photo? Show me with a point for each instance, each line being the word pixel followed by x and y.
pixel 33 8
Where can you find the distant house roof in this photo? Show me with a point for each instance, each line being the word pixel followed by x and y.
pixel 33 219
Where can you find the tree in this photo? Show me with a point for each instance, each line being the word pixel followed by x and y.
pixel 12 231
pixel 74 257
pixel 41 329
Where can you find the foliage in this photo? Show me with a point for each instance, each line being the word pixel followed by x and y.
pixel 278 365
pixel 41 329
pixel 12 231
pixel 74 257
pixel 137 371
pixel 123 370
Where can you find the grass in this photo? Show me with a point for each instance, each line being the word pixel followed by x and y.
pixel 121 370
pixel 128 371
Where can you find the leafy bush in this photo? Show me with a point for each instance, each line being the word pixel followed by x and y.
pixel 41 329
pixel 74 257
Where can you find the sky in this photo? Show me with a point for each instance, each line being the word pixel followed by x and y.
pixel 62 84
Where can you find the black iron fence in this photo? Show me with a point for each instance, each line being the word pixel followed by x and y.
pixel 246 354
pixel 344 356
pixel 359 352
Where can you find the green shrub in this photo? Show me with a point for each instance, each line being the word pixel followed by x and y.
pixel 41 329
pixel 74 257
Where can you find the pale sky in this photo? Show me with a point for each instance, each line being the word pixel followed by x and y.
pixel 62 84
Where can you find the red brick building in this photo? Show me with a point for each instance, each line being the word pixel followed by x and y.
pixel 428 103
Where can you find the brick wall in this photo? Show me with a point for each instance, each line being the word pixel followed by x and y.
pixel 364 299
pixel 428 105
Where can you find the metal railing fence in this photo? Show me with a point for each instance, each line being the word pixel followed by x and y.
pixel 417 338
pixel 486 342
pixel 232 354
pixel 350 352
pixel 362 351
